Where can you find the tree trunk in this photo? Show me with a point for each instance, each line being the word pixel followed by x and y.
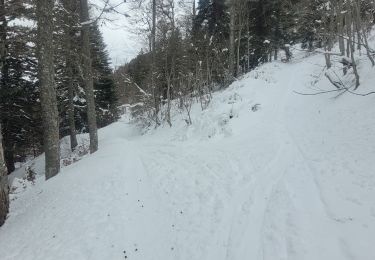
pixel 169 103
pixel 351 45
pixel 153 29
pixel 47 87
pixel 155 93
pixel 3 34
pixel 275 54
pixel 72 124
pixel 70 22
pixel 9 156
pixel 8 144
pixel 232 25
pixel 88 77
pixel 238 48
pixel 4 189
pixel 8 141
pixel 361 28
pixel 327 57
pixel 329 44
pixel 340 28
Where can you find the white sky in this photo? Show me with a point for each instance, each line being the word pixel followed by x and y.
pixel 122 42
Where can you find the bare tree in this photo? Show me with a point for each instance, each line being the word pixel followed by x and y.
pixel 238 21
pixel 168 11
pixel 340 27
pixel 88 76
pixel 362 30
pixel 47 87
pixel 350 29
pixel 153 53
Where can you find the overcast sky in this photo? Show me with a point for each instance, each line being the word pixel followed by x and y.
pixel 122 44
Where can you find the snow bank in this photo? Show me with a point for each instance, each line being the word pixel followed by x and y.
pixel 263 173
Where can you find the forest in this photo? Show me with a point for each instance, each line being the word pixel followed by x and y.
pixel 57 79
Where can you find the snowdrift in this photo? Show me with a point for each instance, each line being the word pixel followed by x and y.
pixel 262 173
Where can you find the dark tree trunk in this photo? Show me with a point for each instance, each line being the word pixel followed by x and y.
pixel 351 45
pixel 8 145
pixel 47 87
pixel 4 189
pixel 3 35
pixel 340 27
pixel 88 77
pixel 153 51
pixel 232 48
pixel 9 159
pixel 72 124
pixel 70 22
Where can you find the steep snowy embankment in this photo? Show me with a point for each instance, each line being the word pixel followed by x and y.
pixel 292 179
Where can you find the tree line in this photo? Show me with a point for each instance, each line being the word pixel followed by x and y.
pixel 209 44
pixel 55 81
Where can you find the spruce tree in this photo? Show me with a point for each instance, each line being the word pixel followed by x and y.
pixel 19 101
pixel 104 86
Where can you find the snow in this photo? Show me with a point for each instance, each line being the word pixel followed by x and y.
pixel 25 22
pixel 262 173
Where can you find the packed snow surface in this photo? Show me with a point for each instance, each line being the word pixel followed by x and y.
pixel 263 173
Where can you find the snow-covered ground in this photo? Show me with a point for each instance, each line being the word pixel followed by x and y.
pixel 292 179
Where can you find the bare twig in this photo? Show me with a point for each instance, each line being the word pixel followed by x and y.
pixel 318 93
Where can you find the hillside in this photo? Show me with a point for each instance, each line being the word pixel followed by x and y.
pixel 263 173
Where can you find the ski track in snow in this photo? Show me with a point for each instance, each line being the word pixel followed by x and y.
pixel 259 186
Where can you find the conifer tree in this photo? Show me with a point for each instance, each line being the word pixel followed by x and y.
pixel 104 86
pixel 19 101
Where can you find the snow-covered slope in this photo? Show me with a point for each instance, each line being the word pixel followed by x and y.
pixel 292 179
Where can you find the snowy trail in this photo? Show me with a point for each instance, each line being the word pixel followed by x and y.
pixel 237 184
pixel 256 198
pixel 250 213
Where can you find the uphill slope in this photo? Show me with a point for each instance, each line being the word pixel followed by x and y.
pixel 263 173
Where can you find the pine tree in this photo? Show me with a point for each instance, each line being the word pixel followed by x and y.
pixel 310 23
pixel 20 108
pixel 104 86
pixel 210 38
